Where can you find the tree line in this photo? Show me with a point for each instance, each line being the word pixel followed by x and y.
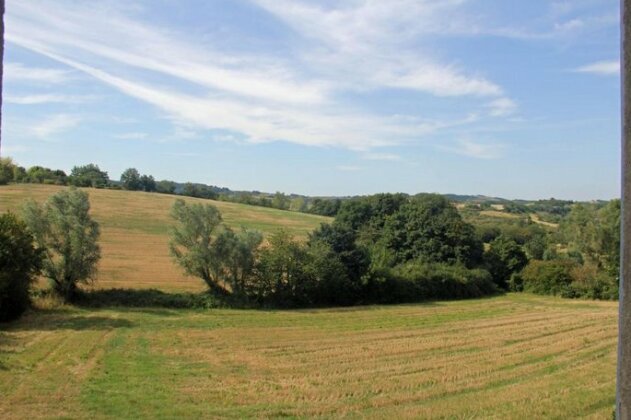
pixel 384 248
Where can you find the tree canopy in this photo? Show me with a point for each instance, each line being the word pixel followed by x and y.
pixel 64 229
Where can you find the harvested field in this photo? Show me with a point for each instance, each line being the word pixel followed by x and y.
pixel 515 356
pixel 134 232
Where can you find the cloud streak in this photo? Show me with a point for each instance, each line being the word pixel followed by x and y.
pixel 261 98
pixel 604 68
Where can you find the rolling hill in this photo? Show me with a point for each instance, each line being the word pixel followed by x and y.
pixel 134 232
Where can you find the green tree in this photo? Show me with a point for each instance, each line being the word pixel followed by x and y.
pixel 41 175
pixel 504 258
pixel 342 241
pixel 64 229
pixel 7 168
pixel 130 179
pixel 280 201
pixel 147 183
pixel 88 176
pixel 20 262
pixel 166 187
pixel 430 229
pixel 205 248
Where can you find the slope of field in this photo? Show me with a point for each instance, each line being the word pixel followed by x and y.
pixel 135 227
pixel 516 356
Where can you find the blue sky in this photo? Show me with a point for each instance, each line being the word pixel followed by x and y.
pixel 511 99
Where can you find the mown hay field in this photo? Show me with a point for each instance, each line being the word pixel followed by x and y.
pixel 516 356
pixel 135 225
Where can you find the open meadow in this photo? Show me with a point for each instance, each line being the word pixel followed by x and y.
pixel 515 356
pixel 134 232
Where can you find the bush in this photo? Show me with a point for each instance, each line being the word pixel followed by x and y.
pixel 149 298
pixel 416 282
pixel 552 277
pixel 64 228
pixel 19 264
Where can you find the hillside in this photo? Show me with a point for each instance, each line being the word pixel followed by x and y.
pixel 515 356
pixel 134 229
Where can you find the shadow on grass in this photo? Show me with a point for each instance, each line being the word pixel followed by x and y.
pixel 147 299
pixel 63 321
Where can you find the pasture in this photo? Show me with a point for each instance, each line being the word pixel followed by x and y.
pixel 134 232
pixel 514 356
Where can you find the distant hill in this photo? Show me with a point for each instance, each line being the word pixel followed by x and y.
pixel 135 231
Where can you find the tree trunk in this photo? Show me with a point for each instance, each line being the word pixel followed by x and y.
pixel 623 391
pixel 1 65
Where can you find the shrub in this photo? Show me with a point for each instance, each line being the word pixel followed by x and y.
pixel 416 282
pixel 553 277
pixel 64 228
pixel 19 264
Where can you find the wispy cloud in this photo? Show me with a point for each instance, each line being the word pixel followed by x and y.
pixel 369 42
pixel 607 68
pixel 132 136
pixel 348 168
pixel 475 149
pixel 381 156
pixel 54 124
pixel 14 72
pixel 352 47
pixel 502 107
pixel 49 98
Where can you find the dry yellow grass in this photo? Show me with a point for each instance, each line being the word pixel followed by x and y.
pixel 500 214
pixel 135 232
pixel 515 357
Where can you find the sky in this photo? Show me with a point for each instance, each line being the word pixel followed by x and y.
pixel 328 97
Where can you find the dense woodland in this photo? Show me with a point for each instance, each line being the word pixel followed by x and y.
pixel 384 248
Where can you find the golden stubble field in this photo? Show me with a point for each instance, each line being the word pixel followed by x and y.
pixel 134 232
pixel 510 357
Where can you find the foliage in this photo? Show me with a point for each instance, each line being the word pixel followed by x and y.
pixel 130 179
pixel 205 248
pixel 147 298
pixel 292 274
pixel 41 175
pixel 64 229
pixel 19 264
pixel 166 187
pixel 417 282
pixel 430 229
pixel 148 183
pixel 88 176
pixel 325 206
pixel 7 168
pixel 199 191
pixel 369 213
pixel 594 231
pixel 342 241
pixel 552 277
pixel 504 258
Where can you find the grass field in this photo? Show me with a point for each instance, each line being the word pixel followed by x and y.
pixel 515 356
pixel 135 232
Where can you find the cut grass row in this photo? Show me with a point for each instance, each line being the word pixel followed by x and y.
pixel 514 356
pixel 135 232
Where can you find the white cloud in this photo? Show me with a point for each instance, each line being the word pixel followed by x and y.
pixel 470 148
pixel 83 31
pixel 369 43
pixel 131 136
pixel 501 107
pixel 611 67
pixel 569 25
pixel 262 98
pixel 381 156
pixel 14 72
pixel 48 98
pixel 54 124
pixel 348 168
